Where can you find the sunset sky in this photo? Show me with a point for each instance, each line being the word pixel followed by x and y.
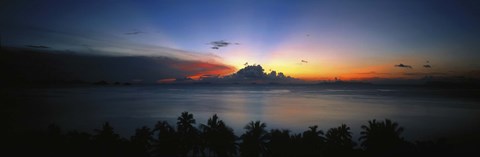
pixel 345 39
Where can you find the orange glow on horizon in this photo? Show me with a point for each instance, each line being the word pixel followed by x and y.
pixel 324 61
pixel 169 80
pixel 385 71
pixel 200 69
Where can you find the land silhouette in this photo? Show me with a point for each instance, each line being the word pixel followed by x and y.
pixel 215 138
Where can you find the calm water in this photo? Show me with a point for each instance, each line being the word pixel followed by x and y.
pixel 424 113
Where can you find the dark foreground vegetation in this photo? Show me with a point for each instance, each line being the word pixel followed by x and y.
pixel 215 138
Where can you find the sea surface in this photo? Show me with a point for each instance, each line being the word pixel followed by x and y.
pixel 424 112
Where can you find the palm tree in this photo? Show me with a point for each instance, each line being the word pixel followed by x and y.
pixel 167 140
pixel 296 143
pixel 339 141
pixel 340 136
pixel 107 141
pixel 313 141
pixel 381 137
pixel 218 137
pixel 280 143
pixel 141 141
pixel 188 134
pixel 106 133
pixel 254 139
pixel 54 142
pixel 80 143
pixel 313 133
pixel 185 122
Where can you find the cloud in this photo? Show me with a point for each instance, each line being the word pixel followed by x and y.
pixel 134 33
pixel 37 46
pixel 424 74
pixel 251 74
pixel 22 65
pixel 221 43
pixel 94 42
pixel 427 66
pixel 372 73
pixel 203 69
pixel 404 66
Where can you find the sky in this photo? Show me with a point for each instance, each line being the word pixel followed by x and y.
pixel 350 40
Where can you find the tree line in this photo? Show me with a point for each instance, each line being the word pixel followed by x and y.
pixel 215 138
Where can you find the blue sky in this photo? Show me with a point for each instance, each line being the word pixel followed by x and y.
pixel 337 37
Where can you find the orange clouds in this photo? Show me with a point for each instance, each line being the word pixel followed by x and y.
pixel 198 69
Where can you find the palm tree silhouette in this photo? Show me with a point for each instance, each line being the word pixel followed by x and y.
pixel 254 140
pixel 107 141
pixel 381 137
pixel 188 134
pixel 339 141
pixel 218 137
pixel 313 141
pixel 280 143
pixel 167 140
pixel 54 142
pixel 106 133
pixel 340 136
pixel 80 143
pixel 313 133
pixel 141 141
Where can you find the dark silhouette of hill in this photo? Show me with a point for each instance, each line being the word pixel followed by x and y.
pixel 215 138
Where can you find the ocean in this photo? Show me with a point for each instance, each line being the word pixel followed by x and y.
pixel 425 113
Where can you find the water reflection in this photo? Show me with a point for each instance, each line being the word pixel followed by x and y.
pixel 292 108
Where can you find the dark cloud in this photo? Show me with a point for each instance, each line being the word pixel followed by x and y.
pixel 201 69
pixel 252 74
pixel 427 65
pixel 93 42
pixel 424 74
pixel 404 66
pixel 304 61
pixel 372 73
pixel 379 80
pixel 221 43
pixel 21 65
pixel 37 46
pixel 134 33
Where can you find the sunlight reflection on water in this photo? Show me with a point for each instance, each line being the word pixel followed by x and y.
pixel 289 107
